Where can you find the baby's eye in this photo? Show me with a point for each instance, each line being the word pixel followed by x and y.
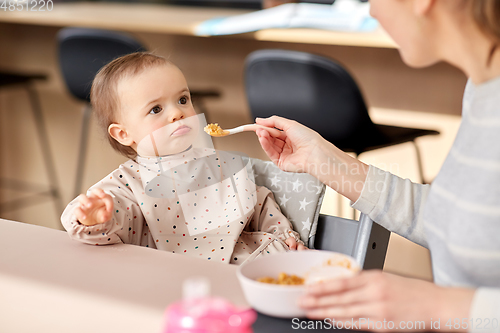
pixel 183 100
pixel 156 109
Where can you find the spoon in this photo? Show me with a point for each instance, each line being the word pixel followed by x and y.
pixel 216 131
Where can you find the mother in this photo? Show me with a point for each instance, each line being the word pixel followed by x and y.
pixel 458 216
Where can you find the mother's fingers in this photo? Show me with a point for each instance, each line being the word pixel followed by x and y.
pixel 273 132
pixel 353 296
pixel 362 310
pixel 269 145
pixel 337 285
pixel 277 142
pixel 275 121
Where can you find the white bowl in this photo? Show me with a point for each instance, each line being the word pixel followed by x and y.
pixel 281 300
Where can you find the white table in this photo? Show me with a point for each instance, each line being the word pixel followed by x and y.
pixel 50 283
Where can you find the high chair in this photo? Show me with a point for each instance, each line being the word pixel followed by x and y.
pixel 300 196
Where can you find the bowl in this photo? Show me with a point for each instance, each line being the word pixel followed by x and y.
pixel 281 300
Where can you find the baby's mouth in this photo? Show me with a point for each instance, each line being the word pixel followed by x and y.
pixel 181 130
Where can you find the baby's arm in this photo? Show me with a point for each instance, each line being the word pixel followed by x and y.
pixel 113 216
pixel 269 218
pixel 95 208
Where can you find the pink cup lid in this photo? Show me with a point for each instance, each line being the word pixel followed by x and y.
pixel 208 315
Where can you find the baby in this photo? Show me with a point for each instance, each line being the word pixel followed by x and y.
pixel 176 193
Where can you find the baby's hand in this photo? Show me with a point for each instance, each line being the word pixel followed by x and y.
pixel 293 245
pixel 95 208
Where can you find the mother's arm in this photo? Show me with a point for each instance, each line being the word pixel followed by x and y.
pixel 377 301
pixel 394 203
pixel 391 201
pixel 300 149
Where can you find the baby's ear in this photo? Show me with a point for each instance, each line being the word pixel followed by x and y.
pixel 119 133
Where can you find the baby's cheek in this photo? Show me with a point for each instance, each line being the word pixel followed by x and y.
pixel 160 127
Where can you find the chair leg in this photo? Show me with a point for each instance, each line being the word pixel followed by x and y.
pixel 82 152
pixel 46 151
pixel 419 163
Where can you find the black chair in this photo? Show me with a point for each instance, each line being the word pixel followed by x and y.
pixel 364 240
pixel 38 192
pixel 319 93
pixel 82 52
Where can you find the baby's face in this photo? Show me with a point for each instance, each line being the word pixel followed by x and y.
pixel 155 108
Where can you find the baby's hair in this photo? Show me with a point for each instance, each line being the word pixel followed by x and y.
pixel 103 94
pixel 486 14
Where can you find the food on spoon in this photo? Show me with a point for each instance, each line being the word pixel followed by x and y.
pixel 213 129
pixel 283 278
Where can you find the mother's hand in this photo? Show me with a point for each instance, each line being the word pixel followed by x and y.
pixel 384 298
pixel 294 149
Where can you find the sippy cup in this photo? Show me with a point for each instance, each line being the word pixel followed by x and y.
pixel 200 313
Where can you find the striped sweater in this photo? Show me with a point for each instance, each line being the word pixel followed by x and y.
pixel 457 217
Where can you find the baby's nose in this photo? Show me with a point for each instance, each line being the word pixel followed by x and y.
pixel 176 115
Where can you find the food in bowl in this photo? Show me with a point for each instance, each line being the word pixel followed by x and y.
pixel 333 267
pixel 281 300
pixel 283 278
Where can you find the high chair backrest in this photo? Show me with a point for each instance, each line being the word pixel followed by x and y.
pixel 300 196
pixel 364 240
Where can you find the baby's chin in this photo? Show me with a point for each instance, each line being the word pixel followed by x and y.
pixel 163 143
pixel 164 151
pixel 180 149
